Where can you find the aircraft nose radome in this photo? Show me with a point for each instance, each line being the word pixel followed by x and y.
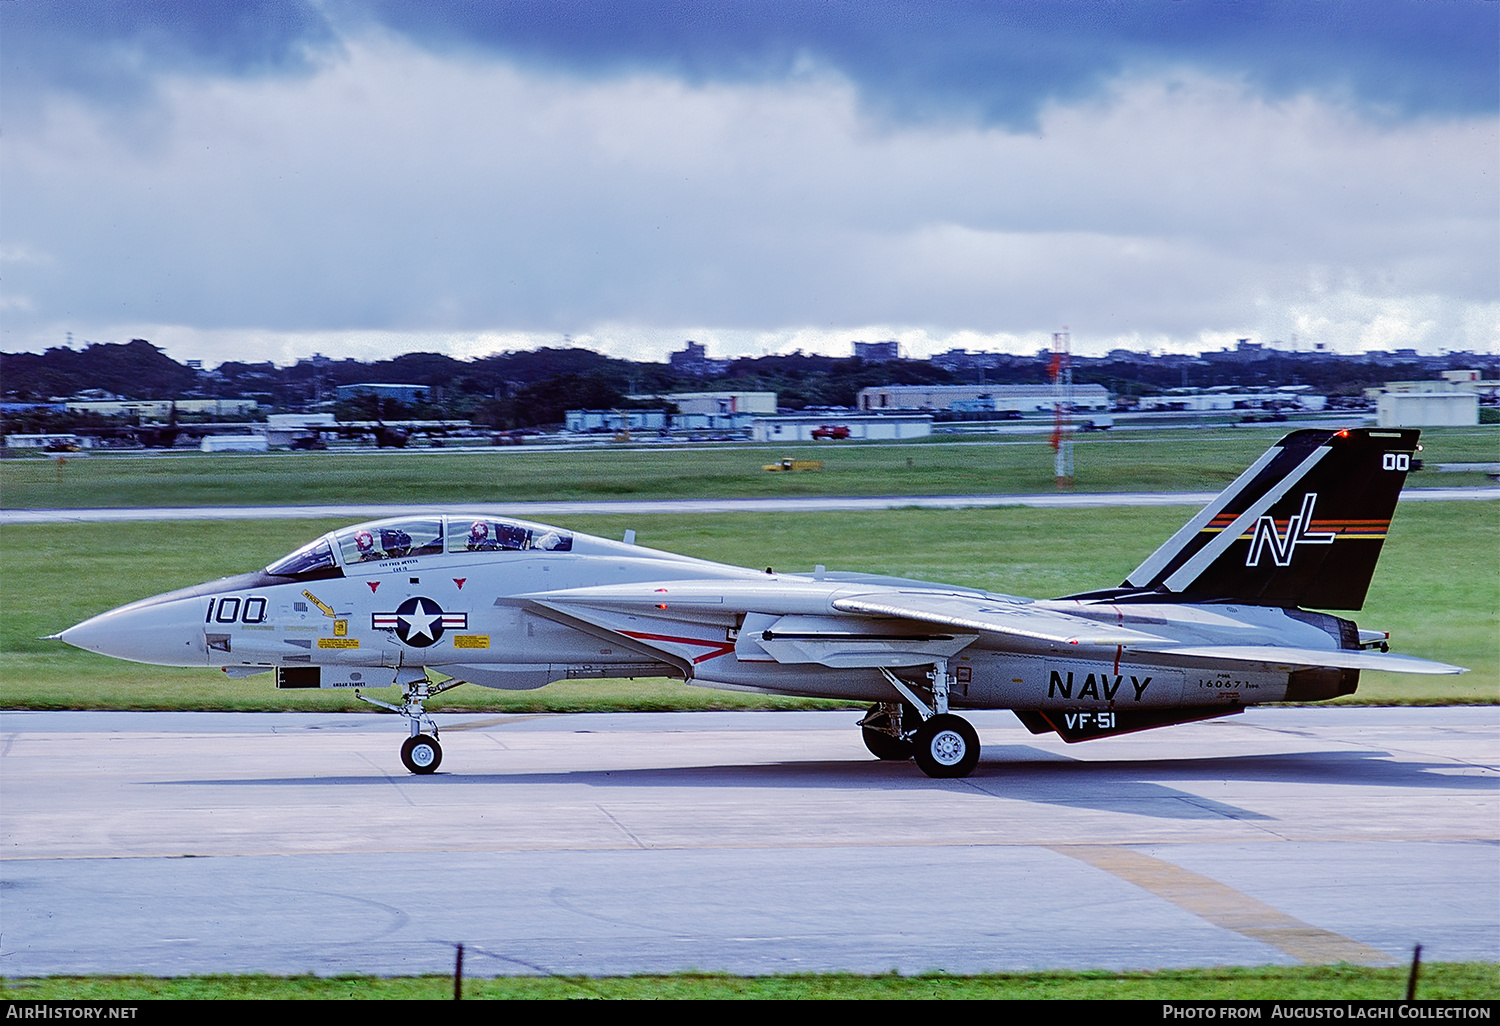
pixel 169 634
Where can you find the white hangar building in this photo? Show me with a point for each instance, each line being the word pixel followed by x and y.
pixel 1000 398
pixel 800 427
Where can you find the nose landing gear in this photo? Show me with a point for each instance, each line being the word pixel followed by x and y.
pixel 420 753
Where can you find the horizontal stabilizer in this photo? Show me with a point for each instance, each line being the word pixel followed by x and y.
pixel 995 616
pixel 1346 659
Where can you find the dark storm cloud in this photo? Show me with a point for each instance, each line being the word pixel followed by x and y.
pixel 754 174
pixel 1003 61
pixel 997 62
pixel 114 53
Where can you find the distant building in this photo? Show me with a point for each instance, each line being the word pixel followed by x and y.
pixel 1244 351
pixel 33 407
pixel 234 443
pixel 1451 401
pixel 55 441
pixel 699 411
pixel 1003 398
pixel 401 393
pixel 877 352
pixel 957 361
pixel 1466 380
pixel 715 411
pixel 604 421
pixel 161 409
pixel 695 363
pixel 282 429
pixel 1224 397
pixel 800 427
pixel 1427 409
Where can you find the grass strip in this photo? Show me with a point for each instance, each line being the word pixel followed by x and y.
pixel 1449 981
pixel 1166 460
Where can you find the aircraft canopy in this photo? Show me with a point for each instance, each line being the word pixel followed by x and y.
pixel 407 537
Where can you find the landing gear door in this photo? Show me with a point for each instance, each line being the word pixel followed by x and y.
pixel 325 677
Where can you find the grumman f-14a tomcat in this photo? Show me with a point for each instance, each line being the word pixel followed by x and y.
pixel 1224 615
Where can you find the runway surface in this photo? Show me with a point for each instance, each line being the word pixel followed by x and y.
pixel 175 843
pixel 526 510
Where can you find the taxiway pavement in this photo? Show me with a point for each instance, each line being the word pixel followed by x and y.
pixel 641 507
pixel 176 843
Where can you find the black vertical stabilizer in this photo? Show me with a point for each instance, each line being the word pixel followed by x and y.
pixel 1303 526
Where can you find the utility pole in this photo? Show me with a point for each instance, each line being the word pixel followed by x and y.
pixel 1062 407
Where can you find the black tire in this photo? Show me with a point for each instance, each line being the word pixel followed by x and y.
pixel 946 746
pixel 884 746
pixel 421 753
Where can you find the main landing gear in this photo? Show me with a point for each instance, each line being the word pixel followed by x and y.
pixel 887 730
pixel 946 746
pixel 420 752
pixel 941 744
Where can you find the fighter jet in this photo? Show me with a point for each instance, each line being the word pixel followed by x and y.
pixel 1226 614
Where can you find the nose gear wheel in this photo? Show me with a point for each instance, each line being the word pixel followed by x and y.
pixel 421 753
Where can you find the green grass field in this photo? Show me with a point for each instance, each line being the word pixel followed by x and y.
pixel 1460 981
pixel 1176 460
pixel 1437 589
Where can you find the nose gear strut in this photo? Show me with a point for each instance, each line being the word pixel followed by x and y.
pixel 421 752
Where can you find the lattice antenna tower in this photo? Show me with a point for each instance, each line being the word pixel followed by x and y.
pixel 1062 407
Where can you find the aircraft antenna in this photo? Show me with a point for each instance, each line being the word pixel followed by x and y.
pixel 1062 407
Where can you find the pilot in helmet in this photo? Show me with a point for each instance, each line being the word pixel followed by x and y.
pixel 397 543
pixel 479 536
pixel 364 541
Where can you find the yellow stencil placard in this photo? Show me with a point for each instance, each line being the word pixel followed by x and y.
pixel 338 642
pixel 471 641
pixel 317 602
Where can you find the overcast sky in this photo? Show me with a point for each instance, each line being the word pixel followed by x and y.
pixel 262 179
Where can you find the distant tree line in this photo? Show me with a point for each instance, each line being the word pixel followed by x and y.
pixel 536 387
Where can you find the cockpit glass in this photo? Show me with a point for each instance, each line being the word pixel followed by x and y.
pixel 309 558
pixel 391 539
pixel 485 534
